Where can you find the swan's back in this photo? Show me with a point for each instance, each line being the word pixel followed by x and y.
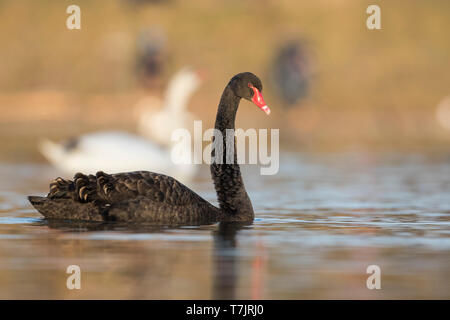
pixel 132 197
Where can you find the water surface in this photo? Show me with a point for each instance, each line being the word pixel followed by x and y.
pixel 320 222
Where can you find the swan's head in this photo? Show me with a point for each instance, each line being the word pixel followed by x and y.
pixel 248 86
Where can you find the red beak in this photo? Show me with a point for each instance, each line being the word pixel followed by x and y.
pixel 258 100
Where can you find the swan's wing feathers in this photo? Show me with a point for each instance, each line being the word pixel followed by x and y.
pixel 114 188
pixel 61 189
pixel 161 188
pixel 84 187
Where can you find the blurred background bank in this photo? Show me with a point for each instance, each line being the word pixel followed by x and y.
pixel 331 83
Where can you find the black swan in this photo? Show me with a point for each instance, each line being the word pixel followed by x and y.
pixel 152 197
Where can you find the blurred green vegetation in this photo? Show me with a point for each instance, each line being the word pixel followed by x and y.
pixel 366 83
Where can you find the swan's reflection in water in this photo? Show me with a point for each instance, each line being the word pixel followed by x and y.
pixel 225 253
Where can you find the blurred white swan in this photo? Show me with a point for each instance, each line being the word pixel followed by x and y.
pixel 157 124
pixel 115 151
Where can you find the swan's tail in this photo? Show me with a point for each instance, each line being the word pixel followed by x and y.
pixel 63 208
pixel 60 191
pixel 41 204
pixel 52 151
pixel 69 199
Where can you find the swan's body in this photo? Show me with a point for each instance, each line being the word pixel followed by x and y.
pixel 133 196
pixel 115 151
pixel 152 197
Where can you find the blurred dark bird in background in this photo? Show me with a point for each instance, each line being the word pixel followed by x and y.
pixel 151 44
pixel 290 72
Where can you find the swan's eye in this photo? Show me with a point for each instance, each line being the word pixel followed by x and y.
pixel 251 88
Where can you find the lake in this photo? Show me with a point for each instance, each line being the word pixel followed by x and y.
pixel 320 223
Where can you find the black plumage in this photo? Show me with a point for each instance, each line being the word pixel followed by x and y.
pixel 152 197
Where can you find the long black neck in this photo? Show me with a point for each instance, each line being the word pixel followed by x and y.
pixel 233 199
